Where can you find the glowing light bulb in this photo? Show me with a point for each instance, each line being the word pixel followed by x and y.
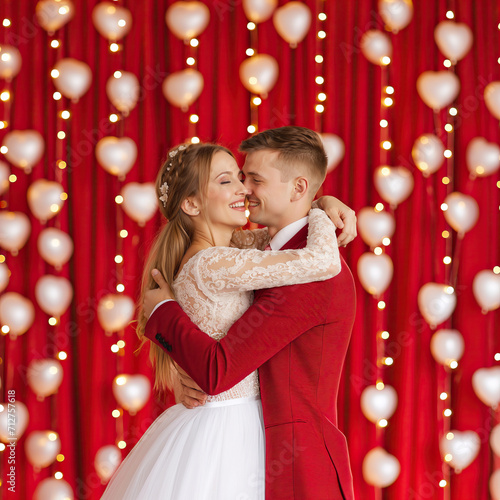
pixel 190 61
pixel 251 129
pixel 118 199
pixel 195 140
pixel 379 207
pixel 251 26
pixel 385 60
pixel 318 59
pixel 381 305
pixel 194 42
pixel 377 251
pixel 114 47
pixel 54 44
pixel 319 80
pixel 322 16
pixel 319 108
pixel 257 101
pixel 65 114
pixel 194 118
pixel 384 123
pixel 322 34
pixel 122 445
pixel 250 52
pixel 450 14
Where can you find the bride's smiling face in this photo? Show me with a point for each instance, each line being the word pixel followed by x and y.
pixel 224 201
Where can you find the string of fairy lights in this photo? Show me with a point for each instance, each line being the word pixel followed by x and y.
pixel 319 58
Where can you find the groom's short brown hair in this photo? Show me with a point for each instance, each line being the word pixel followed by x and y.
pixel 300 152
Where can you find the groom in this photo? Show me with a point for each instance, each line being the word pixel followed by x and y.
pixel 296 335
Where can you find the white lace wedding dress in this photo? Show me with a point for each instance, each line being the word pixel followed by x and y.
pixel 217 452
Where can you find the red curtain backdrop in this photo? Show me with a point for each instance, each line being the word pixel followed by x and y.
pixel 81 411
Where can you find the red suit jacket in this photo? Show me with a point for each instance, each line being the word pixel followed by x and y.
pixel 298 337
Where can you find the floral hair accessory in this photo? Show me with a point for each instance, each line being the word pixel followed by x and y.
pixel 164 186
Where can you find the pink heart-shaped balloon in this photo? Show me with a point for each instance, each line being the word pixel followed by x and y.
pixel 112 21
pixel 131 391
pixel 486 289
pixel 334 149
pixel 486 385
pixel 123 90
pixel 376 45
pixel 483 157
pixel 396 14
pixel 438 88
pixel 44 376
pixel 379 403
pixel 259 74
pixel 394 184
pixel 53 294
pixel 453 39
pixel 21 417
pixel 187 20
pixel 436 302
pixel 492 98
pixel 115 312
pixel 380 468
pixel 140 201
pixel 106 461
pixel 42 448
pixel 447 346
pixel 292 22
pixel 428 153
pixel 74 78
pixel 54 14
pixel 462 212
pixel 259 11
pixel 15 228
pixel 375 226
pixel 53 489
pixel 10 62
pixel 25 148
pixel 375 272
pixel 460 448
pixel 16 312
pixel 45 199
pixel 116 155
pixel 55 246
pixel 182 88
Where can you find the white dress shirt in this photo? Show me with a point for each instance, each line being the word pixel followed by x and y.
pixel 279 239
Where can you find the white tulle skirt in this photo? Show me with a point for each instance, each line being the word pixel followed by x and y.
pixel 214 452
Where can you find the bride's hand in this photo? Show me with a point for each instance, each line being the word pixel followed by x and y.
pixel 157 295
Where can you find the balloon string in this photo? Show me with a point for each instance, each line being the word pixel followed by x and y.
pixel 456 261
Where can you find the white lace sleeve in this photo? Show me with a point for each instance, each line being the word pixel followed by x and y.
pixel 224 269
pixel 250 238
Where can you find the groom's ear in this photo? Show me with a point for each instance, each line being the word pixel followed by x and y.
pixel 191 206
pixel 300 188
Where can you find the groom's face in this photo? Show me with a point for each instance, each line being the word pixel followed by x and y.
pixel 268 196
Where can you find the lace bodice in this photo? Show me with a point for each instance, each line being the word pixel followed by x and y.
pixel 215 287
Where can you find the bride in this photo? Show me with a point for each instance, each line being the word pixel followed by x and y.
pixel 215 451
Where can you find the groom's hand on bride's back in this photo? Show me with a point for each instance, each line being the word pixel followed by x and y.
pixel 155 296
pixel 342 216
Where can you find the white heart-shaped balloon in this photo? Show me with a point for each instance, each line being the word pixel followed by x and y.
pixel 10 62
pixel 259 74
pixel 116 155
pixel 447 346
pixel 394 184
pixel 4 276
pixel 54 14
pixel 492 98
pixel 486 289
pixel 334 149
pixel 106 461
pixel 376 45
pixel 438 88
pixel 375 272
pixel 182 88
pixel 483 157
pixel 15 227
pixel 461 450
pixel 462 212
pixel 45 199
pixel 495 440
pixel 131 391
pixel 123 91
pixel 42 448
pixel 292 22
pixel 74 78
pixel 17 312
pixel 55 246
pixel 486 385
pixel 375 226
pixel 380 468
pixel 25 148
pixel 494 485
pixel 13 430
pixel 453 39
pixel 53 294
pixel 112 21
pixel 259 11
pixel 44 377
pixel 428 153
pixel 436 302
pixel 187 20
pixel 140 201
pixel 4 177
pixel 377 404
pixel 51 488
pixel 115 312
pixel 396 14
